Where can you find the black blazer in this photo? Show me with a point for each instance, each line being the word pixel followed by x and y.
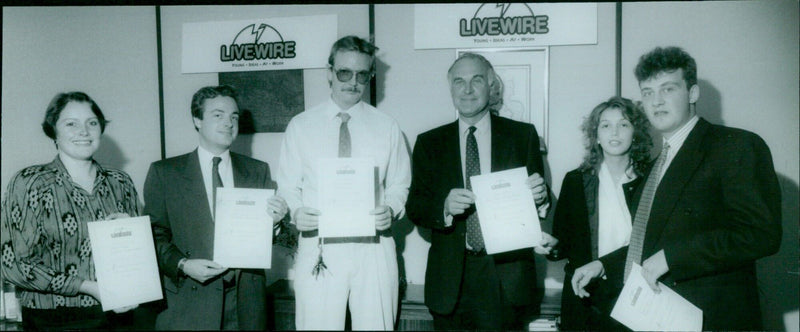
pixel 176 201
pixel 575 225
pixel 717 210
pixel 436 170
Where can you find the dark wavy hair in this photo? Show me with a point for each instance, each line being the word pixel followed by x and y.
pixel 210 92
pixel 640 146
pixel 667 59
pixel 356 44
pixel 57 105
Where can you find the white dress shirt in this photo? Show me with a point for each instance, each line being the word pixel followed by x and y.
pixel 675 142
pixel 614 219
pixel 225 172
pixel 314 134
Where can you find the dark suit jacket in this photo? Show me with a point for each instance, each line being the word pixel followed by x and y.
pixel 437 170
pixel 717 209
pixel 575 225
pixel 175 198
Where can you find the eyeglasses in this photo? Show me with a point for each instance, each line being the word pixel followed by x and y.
pixel 345 75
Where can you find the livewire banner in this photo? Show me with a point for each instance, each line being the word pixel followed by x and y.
pixel 260 44
pixel 504 25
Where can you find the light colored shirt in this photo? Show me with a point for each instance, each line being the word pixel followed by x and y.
pixel 225 172
pixel 614 220
pixel 314 134
pixel 675 142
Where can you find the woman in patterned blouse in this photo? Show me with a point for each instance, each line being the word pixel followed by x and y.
pixel 46 251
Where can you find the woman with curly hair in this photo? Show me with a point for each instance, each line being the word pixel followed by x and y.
pixel 45 244
pixel 592 220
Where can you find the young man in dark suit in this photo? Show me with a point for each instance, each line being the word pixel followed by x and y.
pixel 464 287
pixel 178 194
pixel 714 203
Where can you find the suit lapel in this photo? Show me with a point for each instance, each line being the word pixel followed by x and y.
pixel 240 173
pixel 502 148
pixel 194 187
pixel 451 148
pixel 677 176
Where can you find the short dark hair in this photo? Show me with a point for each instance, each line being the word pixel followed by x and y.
pixel 642 142
pixel 667 59
pixel 59 102
pixel 210 92
pixel 354 43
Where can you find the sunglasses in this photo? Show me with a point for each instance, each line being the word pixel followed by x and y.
pixel 345 75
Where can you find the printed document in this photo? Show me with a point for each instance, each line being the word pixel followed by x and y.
pixel 641 309
pixel 346 196
pixel 243 228
pixel 506 211
pixel 125 262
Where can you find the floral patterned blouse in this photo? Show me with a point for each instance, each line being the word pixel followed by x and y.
pixel 45 244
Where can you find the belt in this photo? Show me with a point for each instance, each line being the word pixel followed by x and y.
pixel 479 253
pixel 348 239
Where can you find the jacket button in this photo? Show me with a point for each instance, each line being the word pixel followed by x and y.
pixel 188 253
pixel 194 287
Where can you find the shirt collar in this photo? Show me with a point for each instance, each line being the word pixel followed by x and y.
pixel 332 109
pixel 680 136
pixel 58 167
pixel 206 156
pixel 484 125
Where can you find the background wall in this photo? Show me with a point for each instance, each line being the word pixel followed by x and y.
pixel 746 53
pixel 107 52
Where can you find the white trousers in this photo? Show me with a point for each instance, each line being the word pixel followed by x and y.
pixel 363 274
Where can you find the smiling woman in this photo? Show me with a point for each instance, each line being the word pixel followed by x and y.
pixel 45 242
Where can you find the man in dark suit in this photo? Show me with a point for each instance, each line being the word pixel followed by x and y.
pixel 179 197
pixel 464 287
pixel 717 207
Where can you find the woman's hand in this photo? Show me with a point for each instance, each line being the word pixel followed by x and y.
pixel 584 274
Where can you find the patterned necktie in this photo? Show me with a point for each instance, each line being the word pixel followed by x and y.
pixel 216 182
pixel 643 213
pixel 474 236
pixel 344 136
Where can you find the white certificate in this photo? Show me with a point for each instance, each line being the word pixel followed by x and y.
pixel 243 228
pixel 641 309
pixel 506 211
pixel 125 262
pixel 346 196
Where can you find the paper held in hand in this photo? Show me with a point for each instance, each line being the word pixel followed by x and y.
pixel 506 211
pixel 641 309
pixel 243 228
pixel 346 196
pixel 125 262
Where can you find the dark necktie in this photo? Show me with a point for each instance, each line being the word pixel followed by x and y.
pixel 344 136
pixel 643 213
pixel 474 236
pixel 216 182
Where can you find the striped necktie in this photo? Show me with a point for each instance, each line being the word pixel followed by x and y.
pixel 643 213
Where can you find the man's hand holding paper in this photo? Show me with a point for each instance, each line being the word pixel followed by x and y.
pixel 506 210
pixel 242 231
pixel 642 309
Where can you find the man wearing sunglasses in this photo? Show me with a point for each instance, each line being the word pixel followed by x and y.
pixel 360 272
